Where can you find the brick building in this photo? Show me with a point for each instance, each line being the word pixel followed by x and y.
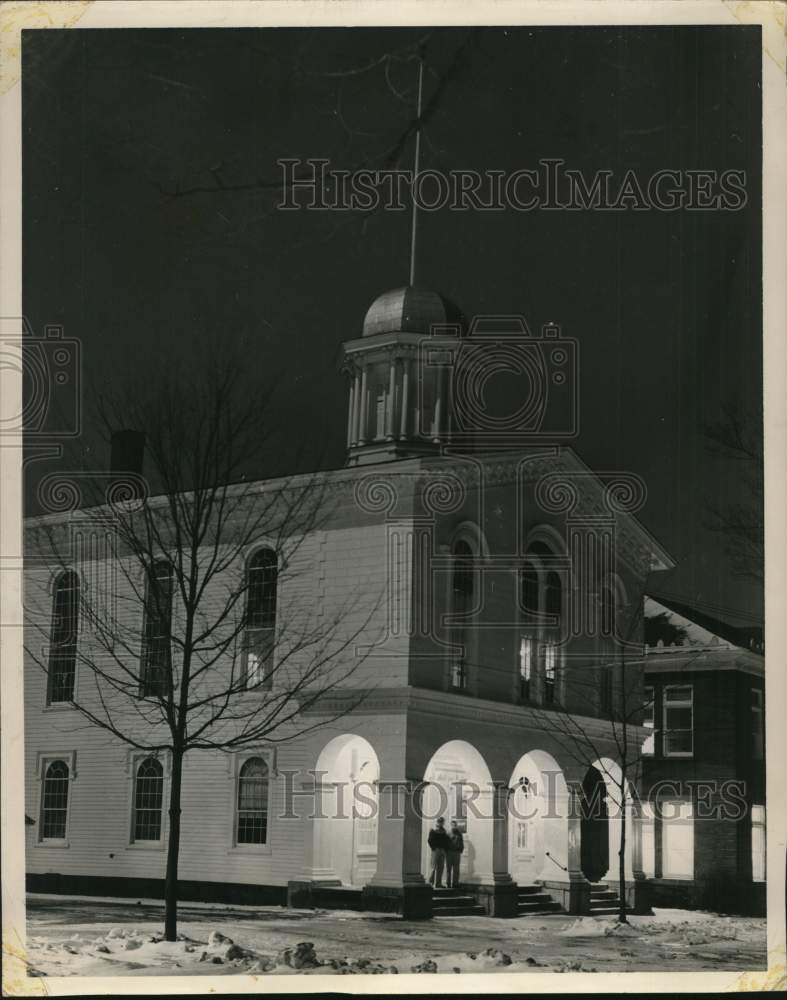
pixel 704 691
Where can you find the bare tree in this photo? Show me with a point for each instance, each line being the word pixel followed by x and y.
pixel 621 697
pixel 216 665
pixel 738 439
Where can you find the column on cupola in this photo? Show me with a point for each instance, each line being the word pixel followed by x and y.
pixel 351 413
pixel 440 404
pixel 363 408
pixel 404 364
pixel 356 406
pixel 390 402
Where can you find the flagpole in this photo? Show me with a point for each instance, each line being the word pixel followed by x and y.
pixel 415 170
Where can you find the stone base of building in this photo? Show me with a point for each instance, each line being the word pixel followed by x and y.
pixel 728 896
pixel 637 895
pixel 570 894
pixel 497 899
pixel 412 902
pixel 153 888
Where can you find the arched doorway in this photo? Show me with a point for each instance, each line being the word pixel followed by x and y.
pixel 594 847
pixel 345 829
pixel 537 819
pixel 459 787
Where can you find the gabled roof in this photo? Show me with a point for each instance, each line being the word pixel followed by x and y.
pixel 675 641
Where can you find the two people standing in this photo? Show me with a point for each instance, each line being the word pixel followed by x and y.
pixel 446 851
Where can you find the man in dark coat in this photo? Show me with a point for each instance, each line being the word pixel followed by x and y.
pixel 439 842
pixel 456 844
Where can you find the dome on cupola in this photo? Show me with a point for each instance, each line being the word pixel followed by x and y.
pixel 409 310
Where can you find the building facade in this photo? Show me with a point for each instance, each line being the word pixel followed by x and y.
pixel 704 844
pixel 486 591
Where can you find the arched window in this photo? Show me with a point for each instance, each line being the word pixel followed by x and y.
pixel 156 631
pixel 528 588
pixel 607 611
pixel 64 634
pixel 148 800
pixel 463 585
pixel 54 801
pixel 262 575
pixel 553 605
pixel 540 594
pixel 252 819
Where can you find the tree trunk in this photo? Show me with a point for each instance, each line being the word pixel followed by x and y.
pixel 622 853
pixel 173 850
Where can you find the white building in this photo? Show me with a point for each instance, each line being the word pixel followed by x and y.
pixel 499 589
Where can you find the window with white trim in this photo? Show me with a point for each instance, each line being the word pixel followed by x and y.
pixel 758 846
pixel 757 724
pixel 261 593
pixel 463 585
pixel 251 821
pixel 648 827
pixel 156 669
pixel 677 839
pixel 63 638
pixel 649 720
pixel 148 800
pixel 54 800
pixel 526 651
pixel 678 721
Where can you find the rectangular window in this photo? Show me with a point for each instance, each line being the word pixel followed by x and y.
pixel 525 666
pixel 678 721
pixel 758 855
pixel 648 840
pixel 458 674
pixel 757 724
pixel 550 672
pixel 677 839
pixel 649 720
pixel 156 672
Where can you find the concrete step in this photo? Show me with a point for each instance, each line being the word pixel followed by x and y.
pixel 534 898
pixel 438 902
pixel 524 890
pixel 604 911
pixel 459 911
pixel 603 896
pixel 524 909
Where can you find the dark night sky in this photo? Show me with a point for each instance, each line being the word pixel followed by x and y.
pixel 666 306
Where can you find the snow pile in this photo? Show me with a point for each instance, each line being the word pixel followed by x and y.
pixel 593 927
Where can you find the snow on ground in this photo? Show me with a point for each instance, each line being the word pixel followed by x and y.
pixel 99 937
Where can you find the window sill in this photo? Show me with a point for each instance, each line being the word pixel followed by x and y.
pixel 146 845
pixel 679 756
pixel 59 706
pixel 53 844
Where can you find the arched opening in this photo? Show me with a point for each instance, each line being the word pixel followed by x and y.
pixel 608 820
pixel 345 825
pixel 459 788
pixel 537 819
pixel 594 850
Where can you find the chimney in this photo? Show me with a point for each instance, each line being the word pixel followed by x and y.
pixel 125 463
pixel 128 449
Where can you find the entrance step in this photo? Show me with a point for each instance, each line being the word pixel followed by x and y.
pixel 603 900
pixel 531 899
pixel 454 903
